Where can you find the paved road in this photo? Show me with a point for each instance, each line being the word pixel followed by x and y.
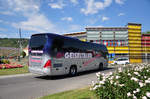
pixel 34 86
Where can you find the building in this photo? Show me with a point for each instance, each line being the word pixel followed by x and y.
pixel 120 41
pixel 146 47
pixel 134 40
pixel 80 35
pixel 115 38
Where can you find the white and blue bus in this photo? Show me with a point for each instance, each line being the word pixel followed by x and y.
pixel 52 54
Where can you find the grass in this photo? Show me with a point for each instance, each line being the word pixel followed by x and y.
pixel 83 93
pixel 14 71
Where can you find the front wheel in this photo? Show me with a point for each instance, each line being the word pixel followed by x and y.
pixel 73 71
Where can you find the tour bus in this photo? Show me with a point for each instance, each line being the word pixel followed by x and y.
pixel 53 54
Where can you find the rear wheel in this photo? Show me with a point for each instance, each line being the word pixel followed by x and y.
pixel 73 71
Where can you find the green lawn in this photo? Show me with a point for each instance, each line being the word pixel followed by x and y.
pixel 83 93
pixel 14 71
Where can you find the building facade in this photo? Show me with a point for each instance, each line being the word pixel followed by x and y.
pixel 120 41
pixel 115 38
pixel 146 47
pixel 80 35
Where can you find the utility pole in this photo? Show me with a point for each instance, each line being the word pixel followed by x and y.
pixel 20 46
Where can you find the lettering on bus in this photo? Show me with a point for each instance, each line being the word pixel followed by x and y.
pixel 91 60
pixel 78 55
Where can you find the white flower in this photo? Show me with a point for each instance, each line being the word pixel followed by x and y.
pixel 144 97
pixel 136 73
pixel 111 81
pixel 95 87
pixel 147 81
pixel 137 90
pixel 93 83
pixel 129 94
pixel 119 69
pixel 147 70
pixel 134 91
pixel 111 77
pixel 121 85
pixel 129 74
pixel 101 82
pixel 135 79
pixel 98 74
pixel 117 77
pixel 145 77
pixel 115 83
pixel 134 97
pixel 141 84
pixel 102 74
pixel 148 94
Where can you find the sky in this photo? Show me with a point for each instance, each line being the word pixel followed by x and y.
pixel 69 16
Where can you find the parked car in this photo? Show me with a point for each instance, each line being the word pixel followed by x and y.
pixel 121 61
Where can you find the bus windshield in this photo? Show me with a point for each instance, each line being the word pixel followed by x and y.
pixel 37 42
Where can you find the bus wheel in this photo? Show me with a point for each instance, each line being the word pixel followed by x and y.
pixel 101 66
pixel 73 71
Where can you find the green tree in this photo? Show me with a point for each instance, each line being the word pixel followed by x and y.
pixel 148 32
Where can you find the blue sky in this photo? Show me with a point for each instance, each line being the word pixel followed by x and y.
pixel 68 16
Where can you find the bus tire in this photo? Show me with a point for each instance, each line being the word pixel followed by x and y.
pixel 101 67
pixel 73 71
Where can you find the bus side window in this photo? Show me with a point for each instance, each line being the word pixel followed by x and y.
pixel 57 45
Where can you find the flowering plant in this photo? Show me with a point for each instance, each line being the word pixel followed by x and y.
pixel 132 82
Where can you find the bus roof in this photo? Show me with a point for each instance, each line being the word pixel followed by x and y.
pixel 101 46
pixel 53 34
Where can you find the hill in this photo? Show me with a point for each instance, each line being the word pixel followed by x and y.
pixel 13 42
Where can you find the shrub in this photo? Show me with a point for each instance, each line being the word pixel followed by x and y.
pixel 5 61
pixel 23 54
pixel 130 83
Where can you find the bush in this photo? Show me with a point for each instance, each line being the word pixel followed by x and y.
pixel 5 61
pixel 130 83
pixel 23 54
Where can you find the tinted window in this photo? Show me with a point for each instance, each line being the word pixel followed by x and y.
pixel 37 42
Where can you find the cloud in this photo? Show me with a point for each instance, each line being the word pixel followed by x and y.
pixel 121 14
pixel 75 28
pixel 2 29
pixel 33 19
pixel 104 18
pixel 7 13
pixel 4 22
pixel 58 5
pixel 67 19
pixel 2 35
pixel 25 6
pixel 92 7
pixel 74 1
pixel 119 1
pixel 37 23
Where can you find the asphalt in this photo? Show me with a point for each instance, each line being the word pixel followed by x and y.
pixel 30 86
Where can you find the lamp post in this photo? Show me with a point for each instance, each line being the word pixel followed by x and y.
pixel 20 46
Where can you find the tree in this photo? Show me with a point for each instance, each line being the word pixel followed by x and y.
pixel 148 32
